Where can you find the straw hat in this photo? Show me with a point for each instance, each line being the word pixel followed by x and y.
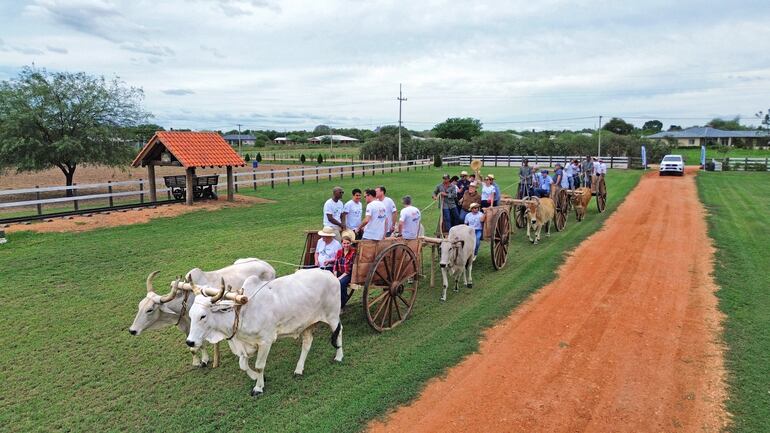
pixel 491 176
pixel 473 205
pixel 463 173
pixel 473 184
pixel 349 233
pixel 327 231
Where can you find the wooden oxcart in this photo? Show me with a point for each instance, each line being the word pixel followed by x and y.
pixel 497 230
pixel 387 272
pixel 203 186
pixel 561 207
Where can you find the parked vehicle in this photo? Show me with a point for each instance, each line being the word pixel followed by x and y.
pixel 672 164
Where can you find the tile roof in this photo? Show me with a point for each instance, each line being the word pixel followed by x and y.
pixel 193 149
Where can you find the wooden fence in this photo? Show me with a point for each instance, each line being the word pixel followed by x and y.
pixel 539 160
pixel 745 164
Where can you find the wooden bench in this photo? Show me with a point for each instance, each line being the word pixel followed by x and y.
pixel 203 186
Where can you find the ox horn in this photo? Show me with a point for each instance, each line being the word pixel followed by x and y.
pixel 220 294
pixel 195 288
pixel 150 288
pixel 172 294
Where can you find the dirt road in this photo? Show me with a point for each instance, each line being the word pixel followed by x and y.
pixel 625 340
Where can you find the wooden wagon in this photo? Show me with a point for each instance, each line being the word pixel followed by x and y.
pixel 497 230
pixel 203 186
pixel 388 272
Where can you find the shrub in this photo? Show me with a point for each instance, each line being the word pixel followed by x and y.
pixel 320 159
pixel 247 158
pixel 437 162
pixel 259 157
pixel 302 158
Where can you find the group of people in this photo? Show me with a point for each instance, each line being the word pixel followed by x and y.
pixel 344 222
pixel 571 175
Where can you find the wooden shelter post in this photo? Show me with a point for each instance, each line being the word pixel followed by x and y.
pixel 230 184
pixel 151 178
pixel 189 175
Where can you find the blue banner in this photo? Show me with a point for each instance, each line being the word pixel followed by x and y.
pixel 703 156
pixel 644 157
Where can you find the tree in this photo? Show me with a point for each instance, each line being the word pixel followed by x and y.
pixel 764 118
pixel 320 159
pixel 259 157
pixel 302 158
pixel 437 162
pixel 619 126
pixel 247 157
pixel 727 125
pixel 674 128
pixel 322 130
pixel 463 128
pixel 652 126
pixel 66 119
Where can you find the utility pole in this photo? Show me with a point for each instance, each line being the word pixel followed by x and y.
pixel 240 149
pixel 400 100
pixel 599 152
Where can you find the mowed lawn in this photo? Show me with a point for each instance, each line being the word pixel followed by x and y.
pixel 739 214
pixel 68 363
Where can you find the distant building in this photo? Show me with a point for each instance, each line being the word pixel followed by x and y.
pixel 283 140
pixel 335 138
pixel 244 139
pixel 700 136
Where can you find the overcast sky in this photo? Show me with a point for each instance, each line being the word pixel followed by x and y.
pixel 513 64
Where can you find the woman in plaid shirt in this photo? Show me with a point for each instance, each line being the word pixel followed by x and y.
pixel 343 267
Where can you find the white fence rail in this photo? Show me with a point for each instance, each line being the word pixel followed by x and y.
pixel 746 164
pixel 540 160
pixel 253 178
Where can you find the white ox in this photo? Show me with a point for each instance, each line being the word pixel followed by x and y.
pixel 156 311
pixel 288 306
pixel 457 256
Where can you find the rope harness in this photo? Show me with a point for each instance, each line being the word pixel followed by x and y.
pixel 237 311
pixel 184 307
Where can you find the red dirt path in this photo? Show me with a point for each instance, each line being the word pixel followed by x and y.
pixel 625 340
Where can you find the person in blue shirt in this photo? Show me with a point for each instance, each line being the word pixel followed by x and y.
pixel 497 190
pixel 475 220
pixel 544 184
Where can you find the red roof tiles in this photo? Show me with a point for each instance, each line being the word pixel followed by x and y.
pixel 193 149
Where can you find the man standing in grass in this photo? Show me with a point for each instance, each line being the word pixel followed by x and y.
pixel 390 210
pixel 352 212
pixel 409 223
pixel 446 194
pixel 333 211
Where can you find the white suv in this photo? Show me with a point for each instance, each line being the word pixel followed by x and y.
pixel 672 164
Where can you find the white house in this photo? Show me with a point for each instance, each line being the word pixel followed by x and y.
pixel 700 136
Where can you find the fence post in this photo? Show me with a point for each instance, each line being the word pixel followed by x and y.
pixel 141 191
pixel 382 166
pixel 272 178
pixel 303 175
pixel 75 194
pixel 288 178
pixel 254 178
pixel 352 171
pixel 746 164
pixel 39 206
pixel 330 174
pixel 316 175
pixel 342 172
pixel 612 161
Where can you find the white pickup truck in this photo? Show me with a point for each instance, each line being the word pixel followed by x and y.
pixel 672 164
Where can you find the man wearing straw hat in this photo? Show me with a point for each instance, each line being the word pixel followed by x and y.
pixel 462 185
pixel 475 220
pixel 471 196
pixel 326 249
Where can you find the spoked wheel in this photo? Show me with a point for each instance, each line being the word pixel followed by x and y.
pixel 562 210
pixel 500 239
pixel 178 193
pixel 518 211
pixel 391 287
pixel 601 194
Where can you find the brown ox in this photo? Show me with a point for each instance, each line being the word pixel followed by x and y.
pixel 580 199
pixel 540 211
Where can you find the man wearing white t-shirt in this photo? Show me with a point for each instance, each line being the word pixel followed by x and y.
pixel 390 209
pixel 374 221
pixel 409 223
pixel 333 211
pixel 352 213
pixel 326 249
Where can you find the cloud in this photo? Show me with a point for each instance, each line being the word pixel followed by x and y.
pixel 29 51
pixel 215 52
pixel 234 8
pixel 178 92
pixel 145 48
pixel 58 50
pixel 94 17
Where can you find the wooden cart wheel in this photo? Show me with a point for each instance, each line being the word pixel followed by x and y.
pixel 562 210
pixel 518 211
pixel 178 193
pixel 601 195
pixel 391 287
pixel 500 238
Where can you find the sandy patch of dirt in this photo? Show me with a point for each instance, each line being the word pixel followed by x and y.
pixel 626 339
pixel 132 216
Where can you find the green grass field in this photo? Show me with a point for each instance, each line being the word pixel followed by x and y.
pixel 692 155
pixel 739 213
pixel 69 364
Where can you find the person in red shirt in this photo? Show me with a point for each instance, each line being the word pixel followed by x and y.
pixel 343 267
